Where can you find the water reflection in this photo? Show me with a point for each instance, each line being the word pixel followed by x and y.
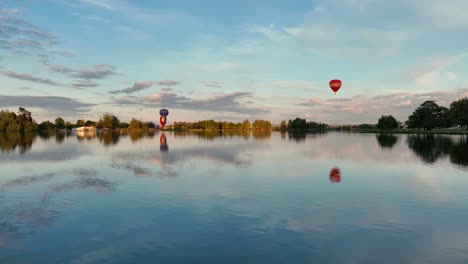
pixel 23 141
pixel 430 148
pixel 335 175
pixel 59 137
pixel 163 143
pixel 386 140
pixel 136 135
pixel 85 134
pixel 109 138
pixel 24 217
pixel 297 136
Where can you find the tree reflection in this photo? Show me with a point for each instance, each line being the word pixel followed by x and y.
pixel 109 138
pixel 261 134
pixel 335 175
pixel 59 137
pixel 23 141
pixel 430 148
pixel 387 140
pixel 297 136
pixel 136 135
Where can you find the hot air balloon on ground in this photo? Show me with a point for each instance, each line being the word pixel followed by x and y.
pixel 163 119
pixel 335 175
pixel 335 85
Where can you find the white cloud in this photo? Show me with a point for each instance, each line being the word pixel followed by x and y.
pixel 429 72
pixel 451 75
pixel 99 3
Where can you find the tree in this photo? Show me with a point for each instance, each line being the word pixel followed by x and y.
pixel 246 125
pixel 68 125
pixel 283 125
pixel 290 124
pixel 108 121
pixel 59 123
pixel 80 123
pixel 428 116
pixel 459 112
pixel 387 123
pixel 135 124
pixel 46 125
pixel 90 123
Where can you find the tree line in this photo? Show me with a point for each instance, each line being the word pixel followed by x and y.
pixel 301 124
pixel 430 115
pixel 222 125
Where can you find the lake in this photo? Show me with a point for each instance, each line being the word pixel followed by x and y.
pixel 233 198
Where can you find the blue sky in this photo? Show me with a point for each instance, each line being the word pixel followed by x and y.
pixel 232 60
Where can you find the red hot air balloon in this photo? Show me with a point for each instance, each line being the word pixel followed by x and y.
pixel 335 175
pixel 163 119
pixel 335 85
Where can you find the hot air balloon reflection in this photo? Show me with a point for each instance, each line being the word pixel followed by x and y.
pixel 163 143
pixel 335 175
pixel 335 85
pixel 163 119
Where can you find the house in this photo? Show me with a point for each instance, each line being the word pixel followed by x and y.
pixel 86 129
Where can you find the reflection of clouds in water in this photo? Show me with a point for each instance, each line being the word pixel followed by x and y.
pixel 85 172
pixel 355 147
pixel 25 217
pixel 137 170
pixel 133 168
pixel 237 154
pixel 28 180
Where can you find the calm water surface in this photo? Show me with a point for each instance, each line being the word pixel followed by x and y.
pixel 233 198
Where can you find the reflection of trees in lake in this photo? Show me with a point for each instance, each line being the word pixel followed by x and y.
pixel 59 137
pixel 300 136
pixel 386 140
pixel 214 134
pixel 109 138
pixel 23 141
pixel 136 135
pixel 430 148
pixel 297 136
pixel 259 134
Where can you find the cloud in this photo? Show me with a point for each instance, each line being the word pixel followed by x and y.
pixel 166 89
pixel 85 85
pixel 60 69
pixel 367 109
pixel 9 11
pixel 222 103
pixel 100 71
pixel 451 75
pixel 429 72
pixel 62 105
pixel 30 78
pixel 21 37
pixel 138 86
pixel 168 83
pixel 213 84
pixel 98 3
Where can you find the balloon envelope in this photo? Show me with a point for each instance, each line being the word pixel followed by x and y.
pixel 164 112
pixel 335 85
pixel 162 120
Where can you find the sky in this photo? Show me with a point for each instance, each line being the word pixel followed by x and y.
pixel 231 60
